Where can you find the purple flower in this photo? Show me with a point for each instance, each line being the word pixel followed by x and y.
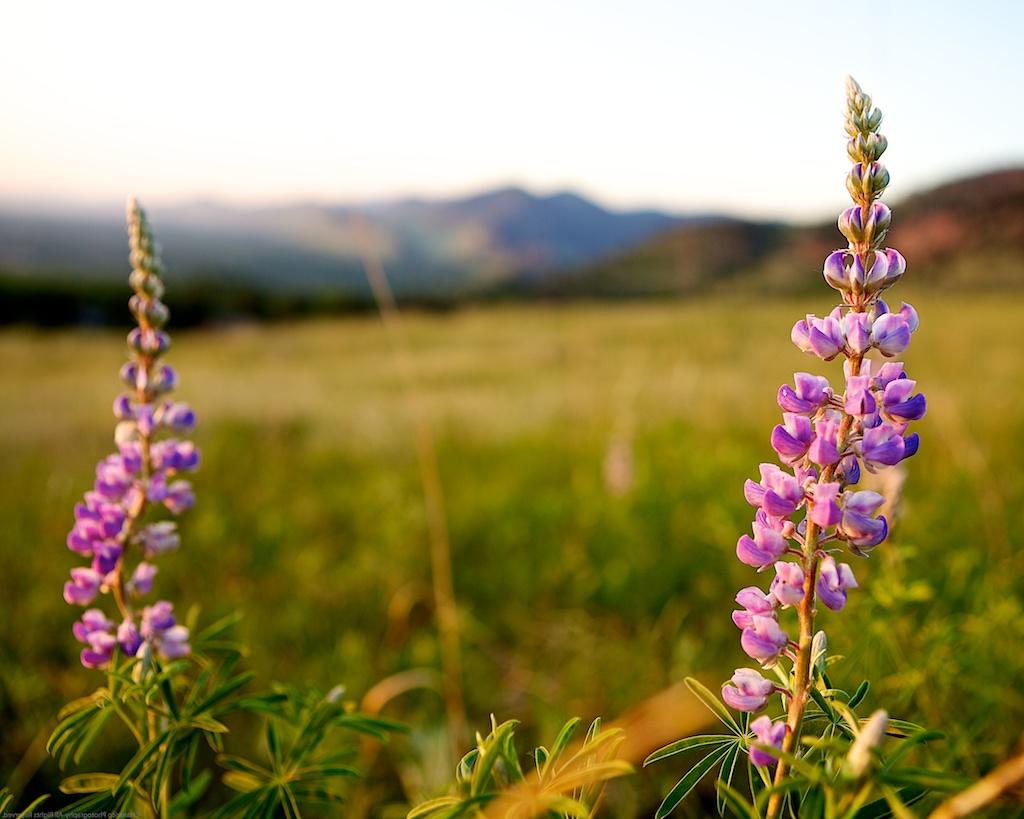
pixel 908 312
pixel 99 650
pixel 178 417
pixel 833 581
pixel 897 266
pixel 123 410
pixel 910 445
pixel 899 404
pixel 129 638
pixel 754 602
pixel 106 554
pixel 749 691
pixel 859 402
pixel 156 619
pixel 791 439
pixel 92 620
pixel 849 470
pixel 822 337
pixel 179 456
pixel 767 733
pixel 179 497
pixel 83 586
pixel 788 585
pixel 778 493
pixel 857 332
pixel 869 276
pixel 764 640
pixel 824 509
pixel 112 478
pixel 174 643
pixel 835 270
pixel 141 582
pixel 767 545
pixel 881 446
pixel 859 525
pixel 810 393
pixel 824 449
pixel 157 538
pixel 889 371
pixel 890 333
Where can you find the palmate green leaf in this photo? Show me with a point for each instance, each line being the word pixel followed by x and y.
pixel 726 774
pixel 732 799
pixel 376 727
pixel 689 782
pixel 687 744
pixel 713 704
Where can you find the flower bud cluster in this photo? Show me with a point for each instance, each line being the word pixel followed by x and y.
pixel 807 508
pixel 142 475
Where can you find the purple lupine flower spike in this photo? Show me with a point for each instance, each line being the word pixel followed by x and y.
pixel 826 437
pixel 142 472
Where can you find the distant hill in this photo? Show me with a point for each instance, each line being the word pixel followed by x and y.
pixel 62 266
pixel 966 232
pixel 447 247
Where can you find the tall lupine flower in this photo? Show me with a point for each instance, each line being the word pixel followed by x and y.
pixel 141 476
pixel 806 509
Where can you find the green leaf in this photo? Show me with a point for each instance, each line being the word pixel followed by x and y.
pixel 823 703
pixel 902 728
pixel 190 794
pixel 489 756
pixel 910 743
pixel 687 744
pixel 225 691
pixel 924 778
pixel 726 774
pixel 736 803
pixel 689 782
pixel 880 809
pixel 141 758
pixel 89 783
pixel 713 704
pixel 30 808
pixel 859 694
pixel 563 739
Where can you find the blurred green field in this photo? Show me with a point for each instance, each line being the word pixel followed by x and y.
pixel 592 460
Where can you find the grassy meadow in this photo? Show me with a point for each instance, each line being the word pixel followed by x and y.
pixel 592 459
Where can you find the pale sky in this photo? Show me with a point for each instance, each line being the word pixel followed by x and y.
pixel 732 106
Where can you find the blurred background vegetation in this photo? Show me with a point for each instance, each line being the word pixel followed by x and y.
pixel 592 458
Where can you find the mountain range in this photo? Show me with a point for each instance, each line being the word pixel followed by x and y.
pixel 507 242
pixel 429 247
